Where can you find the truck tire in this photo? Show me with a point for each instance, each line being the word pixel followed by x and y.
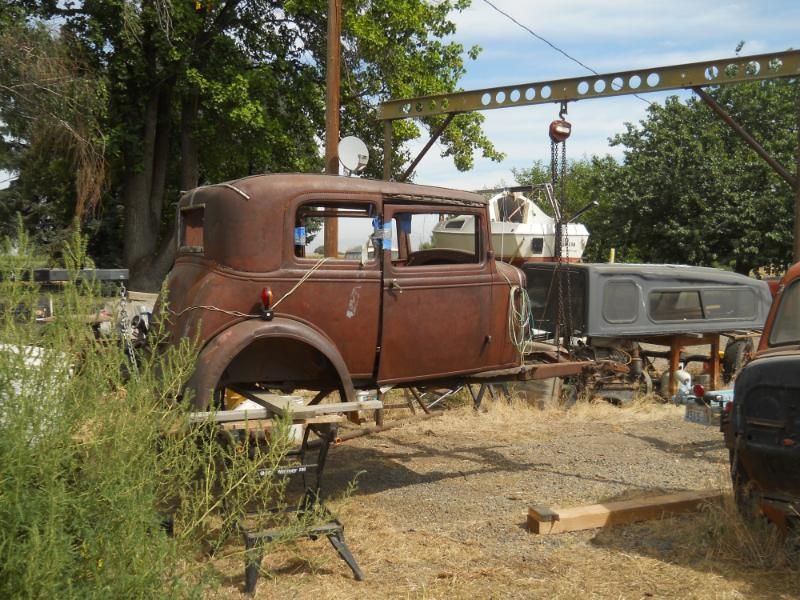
pixel 733 360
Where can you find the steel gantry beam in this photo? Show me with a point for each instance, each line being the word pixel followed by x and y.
pixel 737 69
pixel 694 76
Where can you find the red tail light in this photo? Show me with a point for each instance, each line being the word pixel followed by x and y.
pixel 266 297
pixel 266 303
pixel 728 407
pixel 699 390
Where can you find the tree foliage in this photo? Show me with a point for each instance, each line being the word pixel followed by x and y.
pixel 689 190
pixel 209 90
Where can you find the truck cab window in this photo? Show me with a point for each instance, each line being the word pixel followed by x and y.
pixel 786 328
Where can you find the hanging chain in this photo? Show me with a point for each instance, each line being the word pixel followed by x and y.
pixel 565 239
pixel 559 132
pixel 556 178
pixel 126 328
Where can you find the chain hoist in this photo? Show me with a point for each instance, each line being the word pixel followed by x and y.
pixel 559 131
pixel 126 328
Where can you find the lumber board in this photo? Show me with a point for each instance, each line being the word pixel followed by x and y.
pixel 545 521
pixel 268 424
pixel 274 404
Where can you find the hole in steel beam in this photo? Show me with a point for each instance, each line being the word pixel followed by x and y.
pixel 775 65
pixel 445 103
pixel 514 95
pixel 432 105
pixel 634 82
pixel 752 68
pixel 405 109
pixel 583 87
pixel 599 86
pixel 711 73
pixel 653 79
pixel 418 107
pixel 617 83
pixel 500 97
pixel 732 70
pixel 545 93
pixel 486 99
pixel 530 93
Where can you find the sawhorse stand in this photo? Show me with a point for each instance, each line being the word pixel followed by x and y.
pixel 333 529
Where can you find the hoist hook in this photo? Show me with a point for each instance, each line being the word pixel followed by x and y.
pixel 563 110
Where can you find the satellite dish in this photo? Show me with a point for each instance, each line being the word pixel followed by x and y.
pixel 353 154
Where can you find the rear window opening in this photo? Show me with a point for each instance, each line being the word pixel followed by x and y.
pixel 192 221
pixel 355 230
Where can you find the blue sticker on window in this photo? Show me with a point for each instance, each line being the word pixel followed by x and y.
pixel 387 236
pixel 299 236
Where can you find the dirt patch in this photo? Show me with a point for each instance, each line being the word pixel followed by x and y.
pixel 441 507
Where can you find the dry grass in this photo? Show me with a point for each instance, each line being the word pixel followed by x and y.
pixel 414 538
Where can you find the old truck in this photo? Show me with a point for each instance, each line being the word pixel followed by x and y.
pixel 268 314
pixel 762 423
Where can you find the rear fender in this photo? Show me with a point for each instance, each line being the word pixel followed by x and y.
pixel 221 351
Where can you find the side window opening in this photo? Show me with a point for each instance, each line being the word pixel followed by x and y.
pixel 192 221
pixel 356 225
pixel 426 238
pixel 675 306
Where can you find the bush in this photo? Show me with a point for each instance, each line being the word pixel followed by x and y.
pixel 92 461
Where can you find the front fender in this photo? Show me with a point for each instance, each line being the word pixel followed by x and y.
pixel 224 347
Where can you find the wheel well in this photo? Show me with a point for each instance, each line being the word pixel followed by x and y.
pixel 281 361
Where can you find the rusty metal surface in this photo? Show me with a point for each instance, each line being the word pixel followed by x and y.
pixel 721 71
pixel 330 329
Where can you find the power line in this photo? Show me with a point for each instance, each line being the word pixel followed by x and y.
pixel 549 43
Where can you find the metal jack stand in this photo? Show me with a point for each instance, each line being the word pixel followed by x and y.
pixel 310 502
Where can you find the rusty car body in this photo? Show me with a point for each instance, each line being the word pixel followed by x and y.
pixel 762 424
pixel 265 312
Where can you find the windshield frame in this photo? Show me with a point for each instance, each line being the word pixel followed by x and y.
pixel 790 297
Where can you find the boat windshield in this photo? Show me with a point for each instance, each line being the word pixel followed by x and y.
pixel 786 328
pixel 510 208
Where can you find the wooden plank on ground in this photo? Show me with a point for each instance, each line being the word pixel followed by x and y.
pixel 544 520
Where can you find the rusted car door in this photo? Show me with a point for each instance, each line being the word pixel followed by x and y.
pixel 437 295
pixel 339 296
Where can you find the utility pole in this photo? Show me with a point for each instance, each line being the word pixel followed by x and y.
pixel 332 72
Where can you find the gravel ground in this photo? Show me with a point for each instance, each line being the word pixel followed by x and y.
pixel 441 507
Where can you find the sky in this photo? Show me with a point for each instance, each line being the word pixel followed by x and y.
pixel 608 36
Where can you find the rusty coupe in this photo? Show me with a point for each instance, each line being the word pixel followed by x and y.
pixel 389 310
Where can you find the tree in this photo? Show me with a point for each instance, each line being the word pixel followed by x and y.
pixel 215 89
pixel 691 191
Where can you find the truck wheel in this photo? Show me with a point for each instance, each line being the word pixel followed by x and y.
pixel 733 359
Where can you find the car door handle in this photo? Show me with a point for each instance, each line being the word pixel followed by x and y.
pixel 395 287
